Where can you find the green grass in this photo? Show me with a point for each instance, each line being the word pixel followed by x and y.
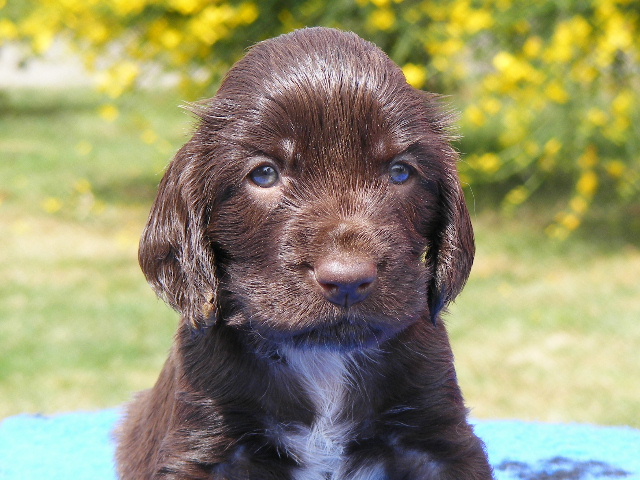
pixel 544 330
pixel 549 331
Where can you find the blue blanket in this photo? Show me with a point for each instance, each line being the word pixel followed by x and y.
pixel 79 446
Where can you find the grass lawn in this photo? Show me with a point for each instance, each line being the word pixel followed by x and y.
pixel 544 331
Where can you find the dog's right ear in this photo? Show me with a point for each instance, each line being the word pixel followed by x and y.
pixel 174 255
pixel 453 251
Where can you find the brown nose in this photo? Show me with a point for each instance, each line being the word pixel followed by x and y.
pixel 346 281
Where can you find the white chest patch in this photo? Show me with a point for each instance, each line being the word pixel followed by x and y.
pixel 319 449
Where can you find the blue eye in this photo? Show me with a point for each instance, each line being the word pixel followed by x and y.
pixel 400 172
pixel 264 176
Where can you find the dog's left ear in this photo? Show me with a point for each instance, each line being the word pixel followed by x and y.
pixel 451 254
pixel 174 254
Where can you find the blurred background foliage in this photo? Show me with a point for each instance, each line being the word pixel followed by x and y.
pixel 549 91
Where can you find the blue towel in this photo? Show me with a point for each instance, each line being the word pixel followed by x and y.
pixel 79 446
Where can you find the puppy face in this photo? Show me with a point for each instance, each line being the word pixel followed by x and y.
pixel 317 202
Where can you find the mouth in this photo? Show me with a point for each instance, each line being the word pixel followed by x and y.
pixel 343 336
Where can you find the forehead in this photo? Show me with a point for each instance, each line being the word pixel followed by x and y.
pixel 341 97
pixel 329 122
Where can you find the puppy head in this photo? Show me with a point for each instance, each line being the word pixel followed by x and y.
pixel 317 202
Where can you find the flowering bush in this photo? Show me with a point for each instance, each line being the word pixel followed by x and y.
pixel 548 90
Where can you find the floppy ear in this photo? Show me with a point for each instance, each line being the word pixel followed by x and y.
pixel 174 254
pixel 451 255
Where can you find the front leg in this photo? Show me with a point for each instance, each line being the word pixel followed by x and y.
pixel 458 455
pixel 424 419
pixel 410 464
pixel 452 462
pixel 254 460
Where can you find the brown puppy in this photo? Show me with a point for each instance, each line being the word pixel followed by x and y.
pixel 310 233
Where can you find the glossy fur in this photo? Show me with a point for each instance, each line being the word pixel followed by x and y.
pixel 273 375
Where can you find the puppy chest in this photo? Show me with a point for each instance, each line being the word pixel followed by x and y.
pixel 319 449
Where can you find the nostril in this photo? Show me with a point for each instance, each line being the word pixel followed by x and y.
pixel 330 288
pixel 345 281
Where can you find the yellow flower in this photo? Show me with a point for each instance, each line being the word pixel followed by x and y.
pixel 97 32
pixel 517 195
pixel 503 61
pixel 589 158
pixel 556 92
pixel 532 47
pixel 623 102
pixel 42 41
pixel 149 136
pixel 491 105
pixel 570 221
pixel 516 70
pixel 247 13
pixel 450 46
pixel 588 183
pixel 584 72
pixel 618 33
pixel 127 7
pixel 552 147
pixel 8 30
pixel 109 112
pixel 492 83
pixel 475 115
pixel 562 44
pixel 489 162
pixel 170 38
pixel 597 117
pixel 441 63
pixel 382 19
pixel 186 7
pixel 52 204
pixel 579 205
pixel 209 26
pixel 466 19
pixel 581 29
pixel 478 20
pixel 616 168
pixel 119 78
pixel 416 75
pixel 82 185
pixel 616 131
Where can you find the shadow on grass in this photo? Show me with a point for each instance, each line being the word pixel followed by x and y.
pixel 612 226
pixel 133 190
pixel 16 103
